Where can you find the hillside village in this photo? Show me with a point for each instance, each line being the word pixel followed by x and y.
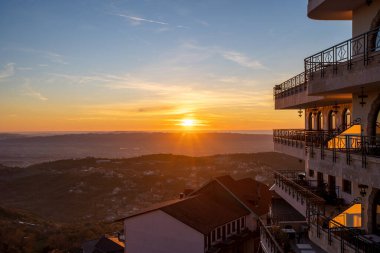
pixel 123 186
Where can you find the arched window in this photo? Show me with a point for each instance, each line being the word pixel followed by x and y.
pixel 319 121
pixel 374 37
pixel 332 121
pixel 311 121
pixel 346 118
pixel 373 123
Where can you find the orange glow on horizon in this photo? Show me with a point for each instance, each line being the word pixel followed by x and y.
pixel 188 122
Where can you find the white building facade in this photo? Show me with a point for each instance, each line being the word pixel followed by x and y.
pixel 338 94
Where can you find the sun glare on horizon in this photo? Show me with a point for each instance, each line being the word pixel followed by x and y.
pixel 188 122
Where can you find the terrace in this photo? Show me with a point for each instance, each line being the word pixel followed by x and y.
pixel 319 211
pixel 338 68
pixel 337 144
pixel 341 66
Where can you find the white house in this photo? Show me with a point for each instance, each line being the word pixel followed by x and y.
pixel 221 215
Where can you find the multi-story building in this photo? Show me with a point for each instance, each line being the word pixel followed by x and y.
pixel 338 194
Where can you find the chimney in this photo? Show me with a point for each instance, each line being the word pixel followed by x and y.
pixel 181 195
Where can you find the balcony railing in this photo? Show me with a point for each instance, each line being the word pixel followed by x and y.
pixel 268 240
pixel 365 146
pixel 292 86
pixel 287 181
pixel 361 48
pixel 354 238
pixel 347 237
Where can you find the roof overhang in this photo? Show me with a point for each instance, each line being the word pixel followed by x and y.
pixel 332 9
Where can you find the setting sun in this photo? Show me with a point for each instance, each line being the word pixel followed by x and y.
pixel 188 122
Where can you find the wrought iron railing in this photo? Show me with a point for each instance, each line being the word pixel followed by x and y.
pixel 346 236
pixel 287 180
pixel 268 240
pixel 292 86
pixel 361 48
pixel 330 140
pixel 351 237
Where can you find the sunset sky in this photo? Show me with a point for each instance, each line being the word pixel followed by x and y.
pixel 153 64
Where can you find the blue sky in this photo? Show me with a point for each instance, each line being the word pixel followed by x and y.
pixel 145 65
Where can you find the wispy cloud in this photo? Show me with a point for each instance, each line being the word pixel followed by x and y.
pixel 30 91
pixel 7 71
pixel 230 55
pixel 50 56
pixel 123 82
pixel 241 59
pixel 138 20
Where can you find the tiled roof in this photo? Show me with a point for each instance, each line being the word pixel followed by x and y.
pixel 207 210
pixel 218 202
pixel 253 194
pixel 106 245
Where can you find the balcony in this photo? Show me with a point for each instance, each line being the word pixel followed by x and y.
pixel 331 144
pixel 292 187
pixel 324 230
pixel 290 142
pixel 346 66
pixel 293 94
pixel 278 239
pixel 335 237
pixel 268 242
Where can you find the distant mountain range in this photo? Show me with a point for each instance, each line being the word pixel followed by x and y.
pixel 24 150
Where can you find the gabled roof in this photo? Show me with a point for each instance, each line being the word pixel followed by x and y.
pixel 106 244
pixel 208 210
pixel 216 203
pixel 253 194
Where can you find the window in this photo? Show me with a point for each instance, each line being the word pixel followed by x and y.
pixel 346 118
pixel 311 121
pixel 320 121
pixel 332 121
pixel 229 228
pixel 311 173
pixel 347 186
pixel 233 226
pixel 213 236
pixel 242 222
pixel 218 233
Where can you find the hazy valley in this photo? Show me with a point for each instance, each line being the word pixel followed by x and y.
pixel 24 150
pixel 55 194
pixel 60 204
